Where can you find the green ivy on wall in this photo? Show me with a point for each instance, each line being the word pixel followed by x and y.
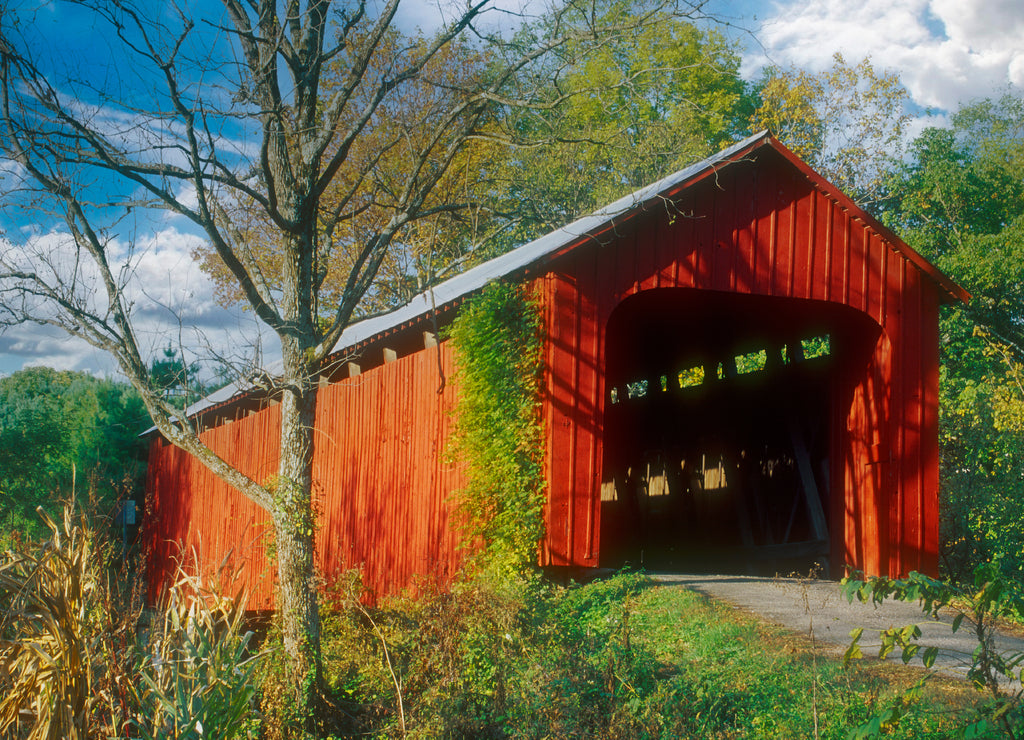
pixel 498 437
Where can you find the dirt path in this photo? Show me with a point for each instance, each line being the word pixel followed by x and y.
pixel 818 608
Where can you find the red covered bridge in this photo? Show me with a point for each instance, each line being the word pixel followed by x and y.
pixel 741 370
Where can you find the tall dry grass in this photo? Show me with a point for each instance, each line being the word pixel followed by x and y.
pixel 81 658
pixel 48 641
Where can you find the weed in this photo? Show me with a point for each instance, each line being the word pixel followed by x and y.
pixel 982 603
pixel 196 667
pixel 47 653
pixel 73 664
pixel 620 658
pixel 489 658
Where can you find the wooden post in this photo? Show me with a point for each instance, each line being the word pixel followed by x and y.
pixel 819 523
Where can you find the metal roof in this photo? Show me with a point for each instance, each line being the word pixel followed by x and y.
pixel 507 264
pixel 552 244
pixel 532 252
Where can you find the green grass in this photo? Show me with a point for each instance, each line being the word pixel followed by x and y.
pixel 751 680
pixel 622 658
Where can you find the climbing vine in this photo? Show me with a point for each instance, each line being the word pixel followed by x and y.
pixel 497 438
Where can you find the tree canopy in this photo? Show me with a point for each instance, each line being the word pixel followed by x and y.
pixel 600 123
pixel 959 200
pixel 60 427
pixel 636 110
pixel 848 122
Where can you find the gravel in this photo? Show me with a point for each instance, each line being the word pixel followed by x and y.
pixel 818 609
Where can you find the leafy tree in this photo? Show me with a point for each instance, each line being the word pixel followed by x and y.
pixel 217 115
pixel 960 202
pixel 848 122
pixel 637 109
pixel 61 431
pixel 179 380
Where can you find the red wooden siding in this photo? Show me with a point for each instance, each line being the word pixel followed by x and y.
pixel 382 486
pixel 762 225
pixel 760 228
pixel 381 472
pixel 196 517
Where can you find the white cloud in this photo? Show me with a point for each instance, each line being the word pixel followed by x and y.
pixel 172 301
pixel 30 345
pixel 946 51
pixel 188 196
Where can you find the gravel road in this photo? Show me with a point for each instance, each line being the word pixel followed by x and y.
pixel 818 608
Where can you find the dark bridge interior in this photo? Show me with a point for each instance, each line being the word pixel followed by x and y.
pixel 719 430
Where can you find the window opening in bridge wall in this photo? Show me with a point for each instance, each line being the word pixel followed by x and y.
pixel 815 347
pixel 691 377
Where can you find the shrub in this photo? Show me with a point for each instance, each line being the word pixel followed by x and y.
pixel 196 667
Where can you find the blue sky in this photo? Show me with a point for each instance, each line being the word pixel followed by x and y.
pixel 946 51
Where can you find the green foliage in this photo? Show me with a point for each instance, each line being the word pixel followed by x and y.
pixel 489 660
pixel 888 718
pixel 178 380
pixel 197 668
pixel 279 711
pixel 618 658
pixel 497 438
pixel 848 122
pixel 960 202
pixel 981 603
pixel 962 181
pixel 56 426
pixel 651 100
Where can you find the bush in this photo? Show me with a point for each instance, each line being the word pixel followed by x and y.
pixel 489 658
pixel 519 658
pixel 619 658
pixel 196 668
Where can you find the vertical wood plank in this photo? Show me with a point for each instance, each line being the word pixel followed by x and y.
pixel 744 228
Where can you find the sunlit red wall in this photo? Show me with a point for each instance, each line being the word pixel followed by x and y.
pixel 381 488
pixel 760 226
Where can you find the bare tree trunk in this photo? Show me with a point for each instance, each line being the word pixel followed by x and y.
pixel 294 525
pixel 295 537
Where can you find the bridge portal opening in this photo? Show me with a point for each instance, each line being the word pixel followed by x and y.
pixel 722 416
